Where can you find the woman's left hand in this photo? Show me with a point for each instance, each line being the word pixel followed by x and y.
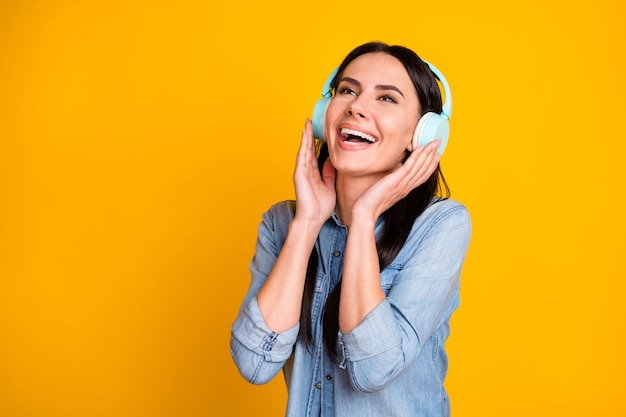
pixel 396 185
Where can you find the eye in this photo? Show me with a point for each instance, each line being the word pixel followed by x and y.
pixel 346 90
pixel 388 98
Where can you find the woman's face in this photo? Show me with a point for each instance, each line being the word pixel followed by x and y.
pixel 372 117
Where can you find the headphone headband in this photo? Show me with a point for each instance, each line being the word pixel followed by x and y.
pixel 447 105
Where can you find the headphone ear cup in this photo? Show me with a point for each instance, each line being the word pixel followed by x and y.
pixel 319 115
pixel 430 127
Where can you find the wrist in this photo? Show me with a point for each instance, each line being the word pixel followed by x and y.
pixel 365 223
pixel 363 218
pixel 305 227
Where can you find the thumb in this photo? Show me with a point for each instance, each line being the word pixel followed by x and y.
pixel 328 174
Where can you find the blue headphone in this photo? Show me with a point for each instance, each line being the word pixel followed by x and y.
pixel 431 125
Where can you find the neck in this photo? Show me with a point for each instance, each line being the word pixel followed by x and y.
pixel 349 189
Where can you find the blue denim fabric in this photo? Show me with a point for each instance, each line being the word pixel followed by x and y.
pixel 394 363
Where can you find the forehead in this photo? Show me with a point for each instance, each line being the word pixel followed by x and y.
pixel 379 68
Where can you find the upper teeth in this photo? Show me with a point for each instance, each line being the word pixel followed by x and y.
pixel 347 132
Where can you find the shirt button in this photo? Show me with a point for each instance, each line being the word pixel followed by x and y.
pixel 329 377
pixel 318 385
pixel 337 253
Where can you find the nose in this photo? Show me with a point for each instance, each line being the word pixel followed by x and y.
pixel 358 114
pixel 356 108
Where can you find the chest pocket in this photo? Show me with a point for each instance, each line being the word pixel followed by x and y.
pixel 388 276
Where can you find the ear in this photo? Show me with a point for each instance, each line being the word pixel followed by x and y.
pixel 416 132
pixel 413 143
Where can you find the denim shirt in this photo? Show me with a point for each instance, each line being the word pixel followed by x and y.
pixel 394 362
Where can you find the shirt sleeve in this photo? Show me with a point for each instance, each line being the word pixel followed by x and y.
pixel 423 296
pixel 258 352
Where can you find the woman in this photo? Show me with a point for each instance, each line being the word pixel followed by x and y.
pixel 353 285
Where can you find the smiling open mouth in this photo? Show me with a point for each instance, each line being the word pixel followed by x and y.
pixel 351 135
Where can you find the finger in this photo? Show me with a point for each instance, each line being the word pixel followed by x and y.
pixel 307 144
pixel 423 155
pixel 310 143
pixel 427 169
pixel 421 164
pixel 302 148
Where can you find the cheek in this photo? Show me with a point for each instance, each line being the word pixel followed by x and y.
pixel 402 129
pixel 411 125
pixel 333 111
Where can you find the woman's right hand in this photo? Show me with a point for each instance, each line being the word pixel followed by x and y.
pixel 315 193
pixel 280 297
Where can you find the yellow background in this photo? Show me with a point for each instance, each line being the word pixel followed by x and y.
pixel 141 141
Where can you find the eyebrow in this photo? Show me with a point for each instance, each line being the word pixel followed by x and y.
pixel 378 87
